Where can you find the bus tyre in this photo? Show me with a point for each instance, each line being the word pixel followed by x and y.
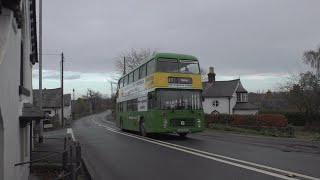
pixel 142 129
pixel 183 134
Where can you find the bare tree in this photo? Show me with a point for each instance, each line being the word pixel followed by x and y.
pixel 95 98
pixel 133 59
pixel 312 58
pixel 302 91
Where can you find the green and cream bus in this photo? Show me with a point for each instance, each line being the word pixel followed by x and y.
pixel 162 95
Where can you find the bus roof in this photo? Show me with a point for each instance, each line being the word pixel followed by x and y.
pixel 172 55
pixel 165 55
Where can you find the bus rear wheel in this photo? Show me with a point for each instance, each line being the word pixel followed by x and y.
pixel 183 134
pixel 121 124
pixel 142 129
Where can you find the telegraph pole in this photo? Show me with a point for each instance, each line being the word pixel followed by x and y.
pixel 124 65
pixel 73 94
pixel 40 71
pixel 111 89
pixel 62 100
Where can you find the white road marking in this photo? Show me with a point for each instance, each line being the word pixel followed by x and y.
pixel 69 131
pixel 216 156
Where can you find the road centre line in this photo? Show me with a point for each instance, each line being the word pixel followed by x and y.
pixel 216 158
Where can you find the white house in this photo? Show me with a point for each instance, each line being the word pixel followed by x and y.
pixel 51 102
pixel 18 54
pixel 225 97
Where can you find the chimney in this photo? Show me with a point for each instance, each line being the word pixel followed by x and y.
pixel 211 75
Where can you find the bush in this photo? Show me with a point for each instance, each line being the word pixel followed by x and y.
pixel 294 118
pixel 270 120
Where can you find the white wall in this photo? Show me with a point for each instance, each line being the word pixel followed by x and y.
pixel 223 107
pixel 251 111
pixel 15 147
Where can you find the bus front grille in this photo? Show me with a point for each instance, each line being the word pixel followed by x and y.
pixel 185 122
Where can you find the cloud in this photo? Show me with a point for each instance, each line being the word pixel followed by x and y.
pixel 55 75
pixel 239 38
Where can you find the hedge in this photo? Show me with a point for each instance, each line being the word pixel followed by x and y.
pixel 294 118
pixel 268 120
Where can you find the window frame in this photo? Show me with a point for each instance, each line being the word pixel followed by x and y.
pixel 124 106
pixel 120 83
pixel 135 74
pixel 135 105
pixel 215 103
pixel 130 78
pixel 125 80
pixel 151 103
pixel 145 71
pixel 189 60
pixel 161 59
pixel 154 67
pixel 129 106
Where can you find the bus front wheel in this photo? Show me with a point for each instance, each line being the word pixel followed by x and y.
pixel 183 134
pixel 142 129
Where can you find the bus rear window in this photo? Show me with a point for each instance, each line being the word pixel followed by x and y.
pixel 167 65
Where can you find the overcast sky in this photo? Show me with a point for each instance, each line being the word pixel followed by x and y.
pixel 256 40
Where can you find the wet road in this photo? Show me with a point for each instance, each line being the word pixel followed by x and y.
pixel 112 154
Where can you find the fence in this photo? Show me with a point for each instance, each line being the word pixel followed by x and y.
pixel 71 159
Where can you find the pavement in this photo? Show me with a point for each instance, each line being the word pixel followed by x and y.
pixel 53 143
pixel 112 154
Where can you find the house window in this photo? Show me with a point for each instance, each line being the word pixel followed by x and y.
pixel 215 103
pixel 238 97
pixel 242 97
pixel 245 97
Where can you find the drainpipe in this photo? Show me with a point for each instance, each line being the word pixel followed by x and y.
pixel 31 140
pixel 229 105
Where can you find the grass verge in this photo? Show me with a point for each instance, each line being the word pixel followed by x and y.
pixel 253 130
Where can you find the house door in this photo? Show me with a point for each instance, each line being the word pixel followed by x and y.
pixel 1 146
pixel 215 112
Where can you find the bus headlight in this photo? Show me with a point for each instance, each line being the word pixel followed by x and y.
pixel 165 123
pixel 199 122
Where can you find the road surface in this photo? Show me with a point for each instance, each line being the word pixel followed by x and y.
pixel 112 154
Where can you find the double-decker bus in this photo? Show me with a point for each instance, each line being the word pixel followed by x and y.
pixel 162 95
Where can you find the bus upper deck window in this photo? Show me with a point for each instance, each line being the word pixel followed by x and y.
pixel 151 67
pixel 189 67
pixel 136 75
pixel 167 65
pixel 121 83
pixel 143 71
pixel 125 80
pixel 130 78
